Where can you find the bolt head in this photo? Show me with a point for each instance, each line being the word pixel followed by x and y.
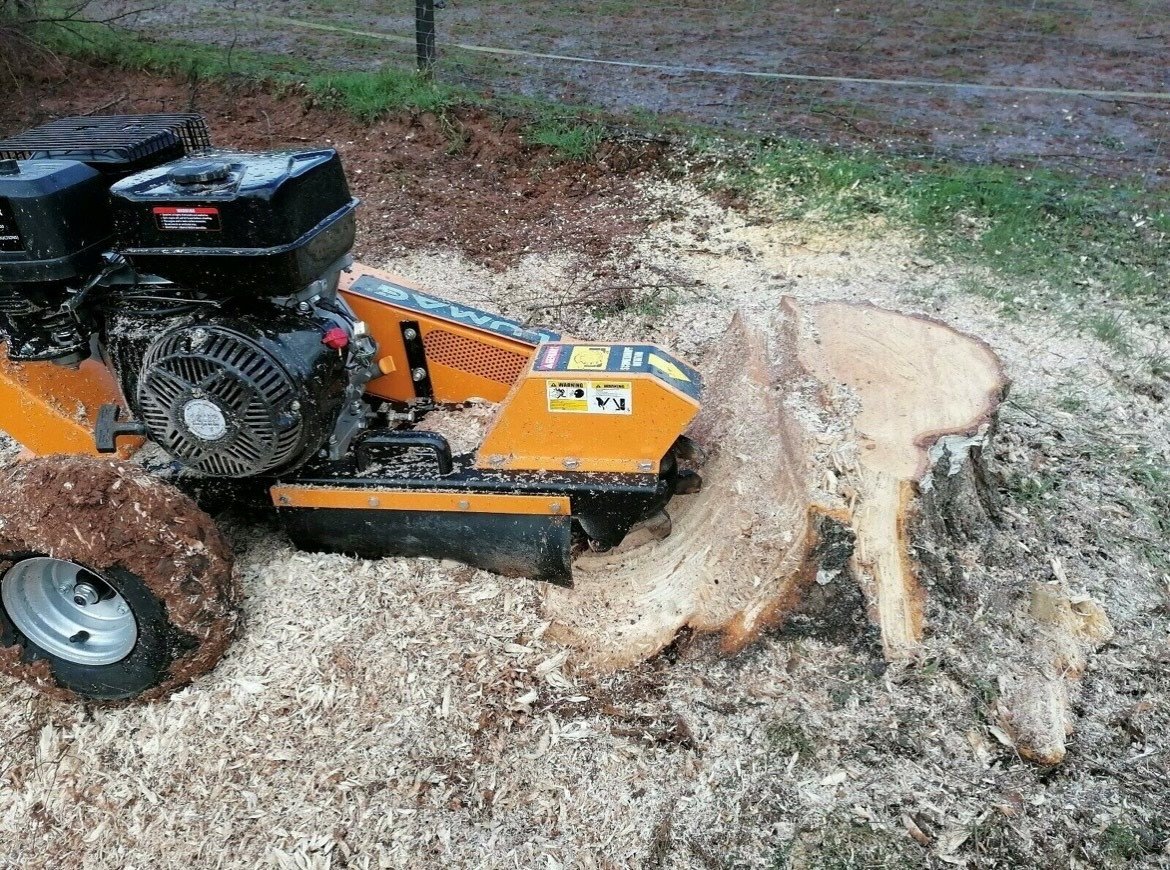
pixel 410 334
pixel 571 463
pixel 418 374
pixel 84 594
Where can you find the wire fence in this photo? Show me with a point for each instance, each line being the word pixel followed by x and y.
pixel 1075 84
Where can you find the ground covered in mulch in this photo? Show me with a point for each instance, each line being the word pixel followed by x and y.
pixel 407 713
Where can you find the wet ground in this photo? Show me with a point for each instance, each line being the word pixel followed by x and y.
pixel 1070 44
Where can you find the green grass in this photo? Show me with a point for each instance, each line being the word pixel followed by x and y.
pixel 370 96
pixel 1125 470
pixel 846 844
pixel 571 141
pixel 105 45
pixel 1074 241
pixel 367 96
pixel 1120 845
pixel 786 738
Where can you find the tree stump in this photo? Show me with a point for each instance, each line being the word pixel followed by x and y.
pixel 843 439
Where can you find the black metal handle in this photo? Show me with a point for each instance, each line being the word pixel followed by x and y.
pixel 406 440
pixel 108 430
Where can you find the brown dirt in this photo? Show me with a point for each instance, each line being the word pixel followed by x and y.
pixel 102 514
pixel 468 181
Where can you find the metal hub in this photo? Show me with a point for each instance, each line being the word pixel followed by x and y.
pixel 68 611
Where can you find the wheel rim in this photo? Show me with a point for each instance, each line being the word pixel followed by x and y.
pixel 68 611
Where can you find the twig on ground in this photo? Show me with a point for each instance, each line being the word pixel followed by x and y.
pixel 105 106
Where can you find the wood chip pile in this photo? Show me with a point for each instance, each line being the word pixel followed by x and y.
pixel 412 713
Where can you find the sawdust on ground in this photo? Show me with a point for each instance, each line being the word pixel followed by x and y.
pixel 407 713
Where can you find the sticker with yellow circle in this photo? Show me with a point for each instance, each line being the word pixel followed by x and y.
pixel 586 358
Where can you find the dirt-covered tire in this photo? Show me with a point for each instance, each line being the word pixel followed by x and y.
pixel 151 567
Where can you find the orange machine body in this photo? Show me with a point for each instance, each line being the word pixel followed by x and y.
pixel 53 409
pixel 593 407
pixel 562 405
pixel 571 406
pixel 470 354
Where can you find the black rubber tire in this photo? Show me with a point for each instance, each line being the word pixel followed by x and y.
pixel 144 668
pixel 151 543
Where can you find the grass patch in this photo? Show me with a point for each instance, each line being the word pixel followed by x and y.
pixel 1079 447
pixel 570 140
pixel 370 96
pixel 366 95
pixel 845 844
pixel 1120 845
pixel 98 43
pixel 786 739
pixel 1074 241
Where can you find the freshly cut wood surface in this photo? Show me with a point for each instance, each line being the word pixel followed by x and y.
pixel 1040 684
pixel 823 428
pixel 738 555
pixel 917 381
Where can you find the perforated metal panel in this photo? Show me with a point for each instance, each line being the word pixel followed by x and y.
pixel 127 141
pixel 474 357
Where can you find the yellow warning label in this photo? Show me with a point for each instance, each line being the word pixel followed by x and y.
pixel 589 359
pixel 668 368
pixel 591 397
pixel 572 396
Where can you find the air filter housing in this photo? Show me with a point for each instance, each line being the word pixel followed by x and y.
pixel 246 224
pixel 54 222
pixel 240 399
pixel 116 145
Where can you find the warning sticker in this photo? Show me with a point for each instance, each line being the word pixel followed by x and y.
pixel 9 233
pixel 591 397
pixel 572 396
pixel 548 357
pixel 203 220
pixel 611 397
pixel 589 359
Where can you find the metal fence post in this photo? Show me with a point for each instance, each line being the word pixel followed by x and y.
pixel 424 28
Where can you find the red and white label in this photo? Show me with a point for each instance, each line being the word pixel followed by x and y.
pixel 200 219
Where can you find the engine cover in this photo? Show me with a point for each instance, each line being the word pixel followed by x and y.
pixel 240 399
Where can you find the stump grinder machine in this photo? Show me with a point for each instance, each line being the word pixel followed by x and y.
pixel 199 310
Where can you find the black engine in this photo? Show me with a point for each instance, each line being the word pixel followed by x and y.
pixel 206 279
